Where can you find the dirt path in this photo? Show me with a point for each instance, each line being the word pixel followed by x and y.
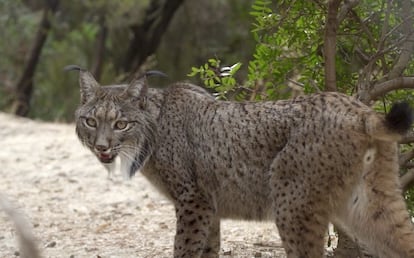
pixel 77 211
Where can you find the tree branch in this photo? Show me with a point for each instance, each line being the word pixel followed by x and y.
pixel 147 35
pixel 409 165
pixel 409 138
pixel 407 179
pixel 364 29
pixel 408 46
pixel 346 8
pixel 405 157
pixel 331 26
pixel 383 88
pixel 385 27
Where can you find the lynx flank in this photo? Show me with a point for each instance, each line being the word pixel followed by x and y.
pixel 300 163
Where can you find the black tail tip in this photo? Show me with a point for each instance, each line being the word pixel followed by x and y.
pixel 400 117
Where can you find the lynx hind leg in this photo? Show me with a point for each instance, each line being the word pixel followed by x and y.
pixel 302 232
pixel 197 227
pixel 300 214
pixel 377 214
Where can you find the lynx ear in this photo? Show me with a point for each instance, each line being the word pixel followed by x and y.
pixel 87 83
pixel 138 89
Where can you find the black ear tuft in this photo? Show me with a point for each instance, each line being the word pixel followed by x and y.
pixel 155 73
pixel 87 82
pixel 73 67
pixel 400 117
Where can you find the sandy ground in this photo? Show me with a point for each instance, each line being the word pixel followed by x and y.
pixel 76 210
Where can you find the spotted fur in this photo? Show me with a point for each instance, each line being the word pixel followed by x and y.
pixel 301 163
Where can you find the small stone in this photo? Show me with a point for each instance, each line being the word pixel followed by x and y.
pixel 258 254
pixel 226 252
pixel 162 225
pixel 16 253
pixel 51 244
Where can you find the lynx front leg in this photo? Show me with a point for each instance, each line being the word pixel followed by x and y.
pixel 196 229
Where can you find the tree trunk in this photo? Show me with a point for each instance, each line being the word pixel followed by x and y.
pixel 24 87
pixel 346 246
pixel 147 35
pixel 100 49
pixel 331 26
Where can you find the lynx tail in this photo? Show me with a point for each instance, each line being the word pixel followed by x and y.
pixel 27 241
pixel 391 127
pixel 400 118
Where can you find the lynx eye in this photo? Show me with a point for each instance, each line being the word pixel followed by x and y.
pixel 90 122
pixel 121 125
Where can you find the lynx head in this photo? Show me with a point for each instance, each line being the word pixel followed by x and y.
pixel 114 121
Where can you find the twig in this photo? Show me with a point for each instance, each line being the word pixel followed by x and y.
pixel 296 83
pixel 314 85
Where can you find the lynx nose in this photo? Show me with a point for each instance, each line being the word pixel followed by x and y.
pixel 101 148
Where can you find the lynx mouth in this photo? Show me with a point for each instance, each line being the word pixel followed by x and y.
pixel 106 157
